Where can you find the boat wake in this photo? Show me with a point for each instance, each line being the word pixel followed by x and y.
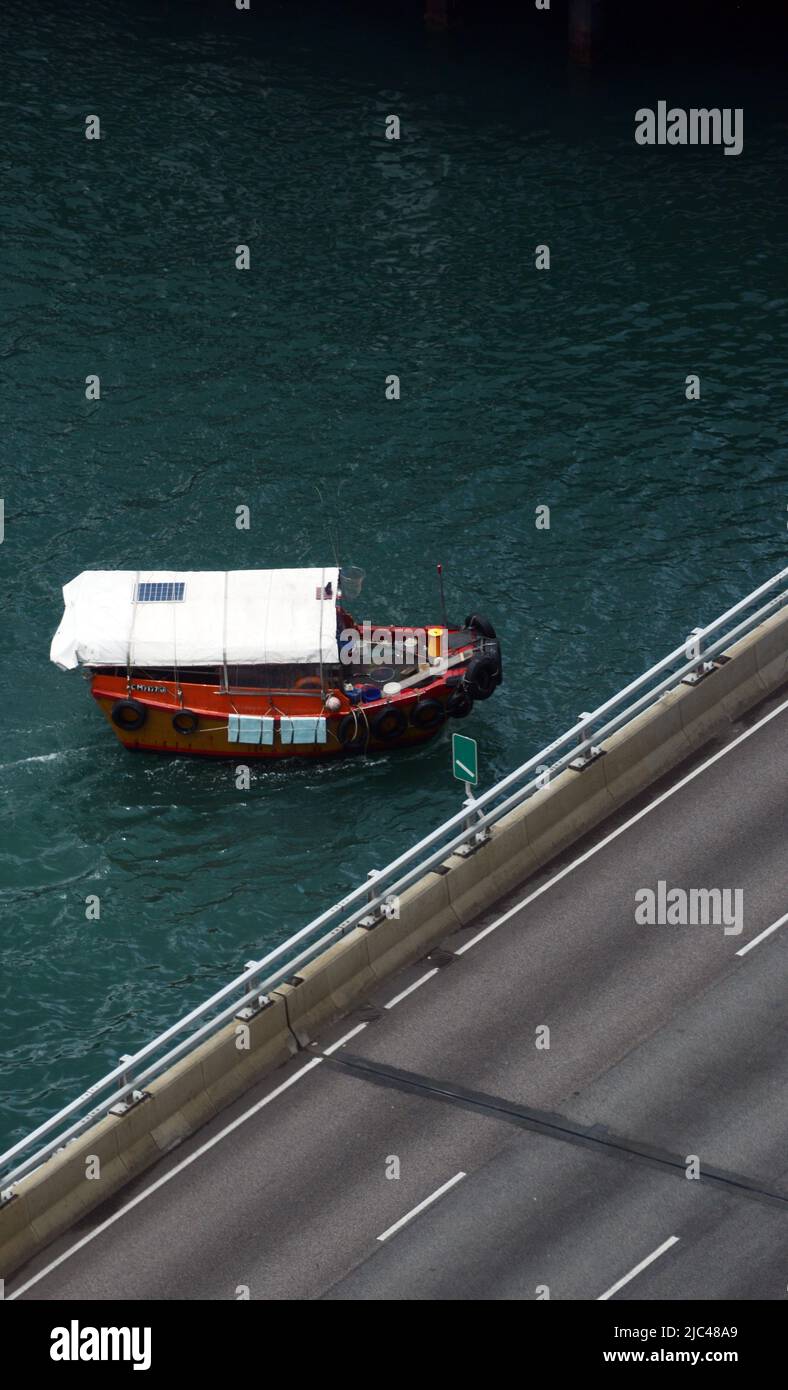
pixel 43 757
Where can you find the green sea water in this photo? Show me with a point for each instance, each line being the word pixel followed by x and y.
pixel 220 387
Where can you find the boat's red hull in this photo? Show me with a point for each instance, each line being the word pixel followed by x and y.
pixel 349 729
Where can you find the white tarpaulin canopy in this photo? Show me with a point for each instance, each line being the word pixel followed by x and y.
pixel 198 618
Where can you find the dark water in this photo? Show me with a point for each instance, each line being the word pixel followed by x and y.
pixel 222 387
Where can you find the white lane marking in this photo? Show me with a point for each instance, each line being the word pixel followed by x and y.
pixel 426 1203
pixel 358 1029
pixel 411 988
pixel 655 1254
pixel 762 935
pixel 179 1167
pixel 620 831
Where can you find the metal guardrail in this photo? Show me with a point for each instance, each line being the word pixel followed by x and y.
pixel 372 899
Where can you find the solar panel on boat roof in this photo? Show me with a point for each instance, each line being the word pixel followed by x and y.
pixel 160 591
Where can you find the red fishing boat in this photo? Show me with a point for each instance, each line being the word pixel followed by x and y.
pixel 265 663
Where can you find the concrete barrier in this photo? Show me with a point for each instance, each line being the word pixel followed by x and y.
pixel 59 1193
pixel 425 916
pixel 772 651
pixel 647 747
pixel 756 665
pixel 492 870
pixel 68 1192
pixel 349 971
pixel 328 986
pixel 722 696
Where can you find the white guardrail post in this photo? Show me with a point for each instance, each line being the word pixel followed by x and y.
pixel 248 993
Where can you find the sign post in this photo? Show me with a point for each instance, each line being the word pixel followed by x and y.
pixel 465 760
pixel 465 766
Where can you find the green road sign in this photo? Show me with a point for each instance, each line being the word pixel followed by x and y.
pixel 465 759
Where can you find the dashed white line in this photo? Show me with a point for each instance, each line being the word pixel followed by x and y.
pixel 422 980
pixel 358 1029
pixel 655 1254
pixel 426 1203
pixel 761 936
pixel 614 834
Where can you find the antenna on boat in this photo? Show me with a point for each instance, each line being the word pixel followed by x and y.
pixel 332 526
pixel 443 599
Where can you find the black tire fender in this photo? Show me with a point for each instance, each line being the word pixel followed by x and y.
pixel 185 722
pixel 128 715
pixel 351 732
pixel 478 623
pixel 481 677
pixel 427 714
pixel 459 703
pixel 389 723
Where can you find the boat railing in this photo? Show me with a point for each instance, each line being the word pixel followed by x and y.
pixel 372 899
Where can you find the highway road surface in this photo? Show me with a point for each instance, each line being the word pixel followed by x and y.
pixel 428 1148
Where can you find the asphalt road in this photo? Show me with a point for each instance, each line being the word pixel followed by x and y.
pixel 520 1169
